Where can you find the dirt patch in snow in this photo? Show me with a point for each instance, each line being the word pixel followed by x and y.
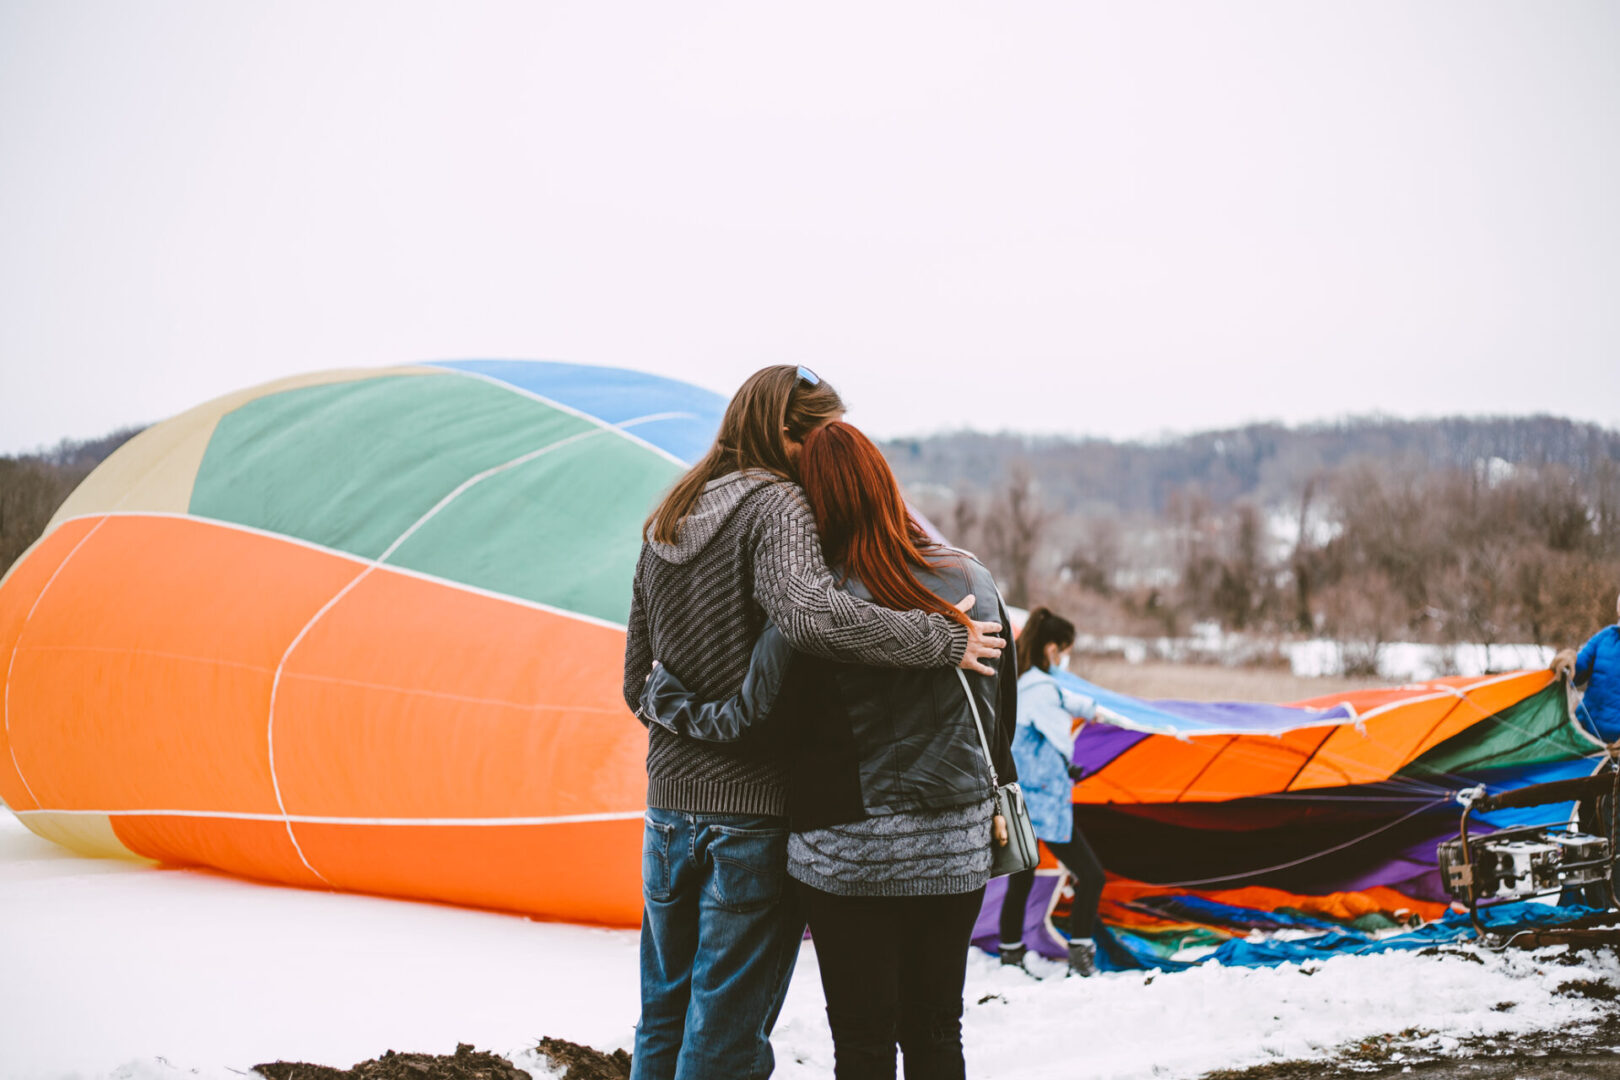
pixel 465 1064
pixel 1581 1052
pixel 576 1062
pixel 584 1062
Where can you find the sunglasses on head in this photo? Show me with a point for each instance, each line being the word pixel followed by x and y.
pixel 808 377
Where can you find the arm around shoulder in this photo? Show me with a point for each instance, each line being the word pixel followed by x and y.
pixel 666 701
pixel 794 585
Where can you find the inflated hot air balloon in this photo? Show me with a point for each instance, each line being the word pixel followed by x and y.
pixel 356 629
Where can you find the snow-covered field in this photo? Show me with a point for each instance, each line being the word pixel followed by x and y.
pixel 112 970
pixel 1398 661
pixel 1406 661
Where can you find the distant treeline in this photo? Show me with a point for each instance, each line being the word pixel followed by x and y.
pixel 1266 463
pixel 1484 530
pixel 32 486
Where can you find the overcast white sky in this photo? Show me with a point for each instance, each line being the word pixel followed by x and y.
pixel 1117 219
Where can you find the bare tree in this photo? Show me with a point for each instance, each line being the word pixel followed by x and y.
pixel 1364 616
pixel 1093 563
pixel 1302 563
pixel 965 523
pixel 1013 532
pixel 1244 588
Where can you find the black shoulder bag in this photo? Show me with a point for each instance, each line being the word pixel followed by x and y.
pixel 1020 852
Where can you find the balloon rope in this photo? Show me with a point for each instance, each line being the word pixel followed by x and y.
pixel 1305 859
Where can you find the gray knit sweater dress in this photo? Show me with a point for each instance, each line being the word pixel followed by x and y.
pixel 912 853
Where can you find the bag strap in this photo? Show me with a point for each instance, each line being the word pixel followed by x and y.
pixel 978 724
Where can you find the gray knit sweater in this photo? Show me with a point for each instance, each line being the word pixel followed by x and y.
pixel 749 551
pixel 913 853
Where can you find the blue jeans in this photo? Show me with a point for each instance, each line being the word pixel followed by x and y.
pixel 720 934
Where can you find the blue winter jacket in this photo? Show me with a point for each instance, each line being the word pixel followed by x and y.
pixel 1598 666
pixel 1043 748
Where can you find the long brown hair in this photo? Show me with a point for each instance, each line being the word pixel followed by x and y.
pixel 775 404
pixel 1042 628
pixel 864 524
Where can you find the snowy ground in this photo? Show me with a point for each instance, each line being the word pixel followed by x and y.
pixel 111 970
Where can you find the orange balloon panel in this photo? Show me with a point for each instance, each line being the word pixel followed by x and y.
pixel 576 872
pixel 1159 776
pixel 1365 701
pixel 1257 763
pixel 1376 748
pixel 411 699
pixel 511 868
pixel 1410 722
pixel 1499 690
pixel 18 595
pixel 1202 768
pixel 143 682
pixel 1395 726
pixel 257 848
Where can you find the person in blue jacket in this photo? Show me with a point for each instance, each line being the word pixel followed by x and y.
pixel 1597 668
pixel 1043 750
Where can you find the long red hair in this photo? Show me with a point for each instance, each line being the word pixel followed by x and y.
pixel 864 524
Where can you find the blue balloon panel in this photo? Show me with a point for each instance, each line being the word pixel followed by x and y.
pixel 674 416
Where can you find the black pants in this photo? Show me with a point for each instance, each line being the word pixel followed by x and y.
pixel 892 968
pixel 1076 857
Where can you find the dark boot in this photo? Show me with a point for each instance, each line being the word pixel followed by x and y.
pixel 1012 955
pixel 1083 958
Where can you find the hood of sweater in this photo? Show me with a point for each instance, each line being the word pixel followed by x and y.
pixel 714 507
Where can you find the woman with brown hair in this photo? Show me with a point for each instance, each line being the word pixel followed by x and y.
pixel 889 790
pixel 731 546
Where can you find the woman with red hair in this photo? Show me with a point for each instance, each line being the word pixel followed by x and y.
pixel 889 790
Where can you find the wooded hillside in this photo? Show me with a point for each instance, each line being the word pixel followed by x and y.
pixel 32 486
pixel 1371 530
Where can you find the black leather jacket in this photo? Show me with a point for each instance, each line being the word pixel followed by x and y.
pixel 864 741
